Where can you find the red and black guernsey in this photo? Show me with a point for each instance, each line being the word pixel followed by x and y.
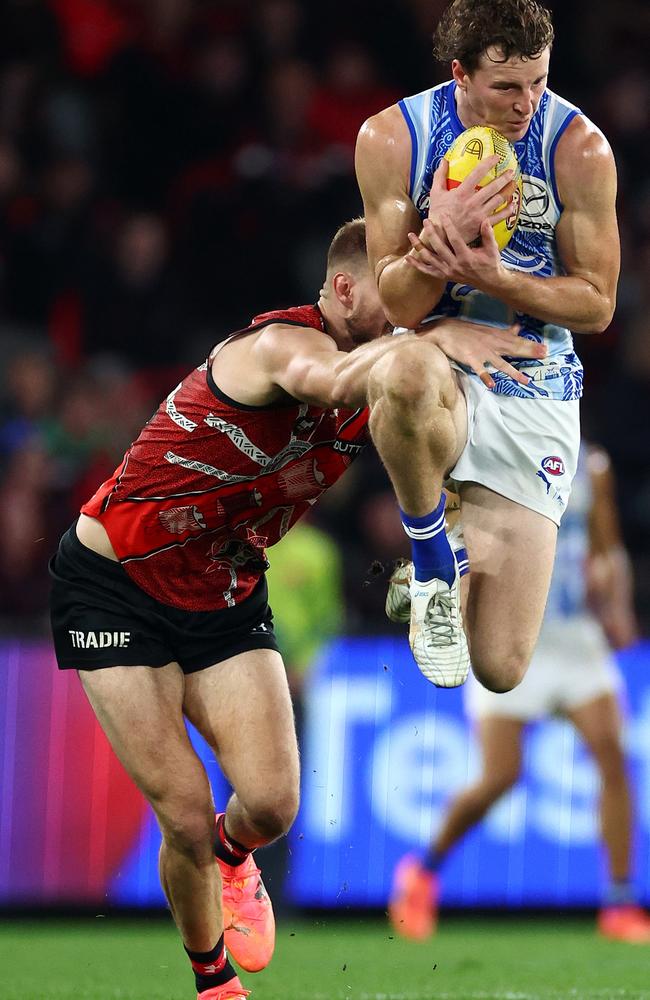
pixel 211 483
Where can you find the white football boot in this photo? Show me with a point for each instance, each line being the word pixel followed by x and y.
pixel 436 635
pixel 398 596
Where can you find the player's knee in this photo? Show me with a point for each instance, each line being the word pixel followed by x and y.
pixel 189 831
pixel 500 673
pixel 273 815
pixel 416 374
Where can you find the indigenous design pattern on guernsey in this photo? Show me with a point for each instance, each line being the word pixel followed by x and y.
pixel 433 124
pixel 209 484
pixel 178 520
pixel 180 419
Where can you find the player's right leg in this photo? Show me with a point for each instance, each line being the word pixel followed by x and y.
pixel 106 627
pixel 140 710
pixel 413 905
pixel 598 720
pixel 418 424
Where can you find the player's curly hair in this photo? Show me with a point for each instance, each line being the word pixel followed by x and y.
pixel 469 27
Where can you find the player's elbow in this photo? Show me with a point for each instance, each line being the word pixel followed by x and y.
pixel 404 310
pixel 348 390
pixel 403 318
pixel 401 311
pixel 605 317
pixel 600 317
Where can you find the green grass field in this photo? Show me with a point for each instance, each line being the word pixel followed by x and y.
pixel 329 959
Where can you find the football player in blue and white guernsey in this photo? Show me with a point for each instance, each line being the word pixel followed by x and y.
pixel 513 442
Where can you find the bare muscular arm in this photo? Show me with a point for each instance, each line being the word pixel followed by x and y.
pixel 587 238
pixel 383 165
pixel 306 365
pixel 281 361
pixel 582 299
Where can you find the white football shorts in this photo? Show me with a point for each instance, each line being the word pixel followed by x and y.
pixel 571 666
pixel 523 449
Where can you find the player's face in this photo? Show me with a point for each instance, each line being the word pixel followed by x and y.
pixel 368 320
pixel 502 94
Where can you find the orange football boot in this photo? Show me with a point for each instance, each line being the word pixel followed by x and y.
pixel 248 921
pixel 625 923
pixel 232 990
pixel 413 904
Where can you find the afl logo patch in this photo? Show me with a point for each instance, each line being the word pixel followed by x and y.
pixel 554 465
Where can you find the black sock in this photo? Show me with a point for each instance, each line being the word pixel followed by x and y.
pixel 227 849
pixel 211 968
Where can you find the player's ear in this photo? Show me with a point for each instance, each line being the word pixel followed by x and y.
pixel 459 73
pixel 342 284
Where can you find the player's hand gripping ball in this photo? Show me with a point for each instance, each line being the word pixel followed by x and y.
pixel 474 145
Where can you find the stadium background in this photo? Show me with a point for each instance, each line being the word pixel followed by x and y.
pixel 167 169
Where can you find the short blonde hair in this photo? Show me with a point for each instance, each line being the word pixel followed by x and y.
pixel 348 246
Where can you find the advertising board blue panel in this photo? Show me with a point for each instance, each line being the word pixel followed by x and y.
pixel 384 751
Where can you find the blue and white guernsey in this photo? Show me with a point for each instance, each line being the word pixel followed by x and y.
pixel 567 596
pixel 434 125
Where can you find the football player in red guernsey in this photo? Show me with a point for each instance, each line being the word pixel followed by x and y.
pixel 159 597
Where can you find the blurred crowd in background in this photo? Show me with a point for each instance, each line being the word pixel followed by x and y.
pixel 168 168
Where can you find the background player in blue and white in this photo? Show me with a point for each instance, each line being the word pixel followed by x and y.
pixel 572 674
pixel 511 447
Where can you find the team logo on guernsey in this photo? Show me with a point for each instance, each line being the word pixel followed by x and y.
pixel 553 465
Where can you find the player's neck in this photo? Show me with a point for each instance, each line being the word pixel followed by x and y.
pixel 466 113
pixel 335 325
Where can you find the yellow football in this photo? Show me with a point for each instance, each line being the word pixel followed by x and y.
pixel 474 145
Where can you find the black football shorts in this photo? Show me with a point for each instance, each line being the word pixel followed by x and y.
pixel 101 618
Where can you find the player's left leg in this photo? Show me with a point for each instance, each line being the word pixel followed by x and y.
pixel 242 707
pixel 413 904
pixel 418 423
pixel 599 723
pixel 511 549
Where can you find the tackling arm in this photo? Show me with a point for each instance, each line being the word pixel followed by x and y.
pixel 306 365
pixel 264 368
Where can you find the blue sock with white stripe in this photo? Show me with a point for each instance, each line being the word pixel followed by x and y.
pixel 430 549
pixel 462 561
